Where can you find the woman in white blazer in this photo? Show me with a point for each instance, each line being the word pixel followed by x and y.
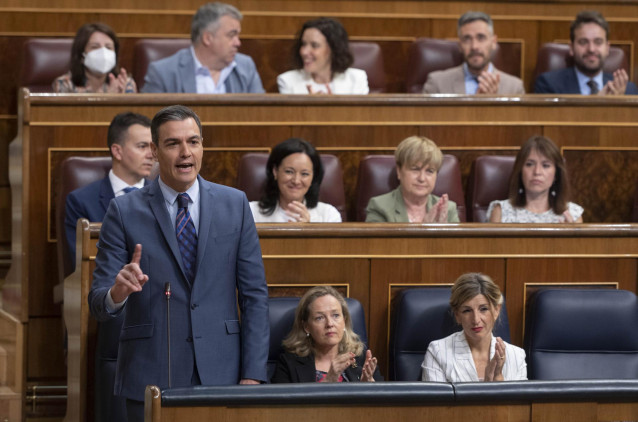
pixel 474 354
pixel 322 59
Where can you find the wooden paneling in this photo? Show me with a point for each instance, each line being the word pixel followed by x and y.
pixel 374 261
pixel 45 349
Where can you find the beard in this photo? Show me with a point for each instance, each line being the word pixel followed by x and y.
pixel 476 67
pixel 587 68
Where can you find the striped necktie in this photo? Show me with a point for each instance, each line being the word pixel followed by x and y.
pixel 186 236
pixel 593 86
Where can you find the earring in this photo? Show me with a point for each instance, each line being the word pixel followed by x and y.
pixel 307 334
pixel 520 191
pixel 553 192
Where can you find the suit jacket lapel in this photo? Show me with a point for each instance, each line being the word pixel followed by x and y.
pixel 106 193
pixel 463 362
pixel 572 82
pixel 400 212
pixel 306 371
pixel 157 203
pixel 187 71
pixel 207 212
pixel 458 81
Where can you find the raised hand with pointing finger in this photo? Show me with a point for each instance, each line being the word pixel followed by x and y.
pixel 130 279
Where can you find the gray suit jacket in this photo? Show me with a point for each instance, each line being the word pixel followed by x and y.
pixel 452 81
pixel 390 208
pixel 206 332
pixel 177 74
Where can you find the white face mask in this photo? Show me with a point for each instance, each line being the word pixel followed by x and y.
pixel 101 60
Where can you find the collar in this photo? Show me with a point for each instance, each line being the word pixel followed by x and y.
pixel 201 70
pixel 583 79
pixel 170 194
pixel 469 76
pixel 118 184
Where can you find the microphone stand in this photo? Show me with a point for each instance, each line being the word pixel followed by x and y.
pixel 167 293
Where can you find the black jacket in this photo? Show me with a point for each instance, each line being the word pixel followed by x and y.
pixel 293 368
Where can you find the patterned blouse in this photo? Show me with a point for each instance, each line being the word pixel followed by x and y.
pixel 511 214
pixel 64 85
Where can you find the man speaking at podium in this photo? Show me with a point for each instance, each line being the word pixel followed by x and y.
pixel 201 238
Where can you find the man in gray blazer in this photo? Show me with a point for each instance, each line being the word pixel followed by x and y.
pixel 477 74
pixel 212 64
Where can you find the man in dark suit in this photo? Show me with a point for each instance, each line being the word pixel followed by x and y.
pixel 201 238
pixel 589 47
pixel 212 64
pixel 129 141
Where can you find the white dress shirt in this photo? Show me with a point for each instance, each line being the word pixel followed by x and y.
pixel 118 185
pixel 204 80
pixel 450 360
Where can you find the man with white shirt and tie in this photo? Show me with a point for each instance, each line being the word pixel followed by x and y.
pixel 589 47
pixel 129 141
pixel 211 65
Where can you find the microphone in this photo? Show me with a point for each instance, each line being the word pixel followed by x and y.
pixel 167 293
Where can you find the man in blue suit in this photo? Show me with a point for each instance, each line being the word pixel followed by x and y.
pixel 212 64
pixel 201 238
pixel 589 47
pixel 129 141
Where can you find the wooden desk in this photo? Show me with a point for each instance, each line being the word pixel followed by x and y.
pixel 372 262
pixel 597 137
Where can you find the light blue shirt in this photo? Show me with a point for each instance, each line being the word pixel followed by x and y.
pixel 204 80
pixel 583 79
pixel 170 200
pixel 471 82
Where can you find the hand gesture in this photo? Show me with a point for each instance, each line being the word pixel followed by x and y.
pixel 338 365
pixel 313 92
pixel 130 279
pixel 438 213
pixel 488 82
pixel 117 84
pixel 297 212
pixel 494 368
pixel 370 365
pixel 617 86
pixel 568 217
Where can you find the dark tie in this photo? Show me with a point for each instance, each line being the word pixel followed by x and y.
pixel 593 85
pixel 186 236
pixel 129 189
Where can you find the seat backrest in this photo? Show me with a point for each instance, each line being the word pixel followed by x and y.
pixel 377 175
pixel 75 172
pixel 582 334
pixel 281 311
pixel 429 54
pixel 555 56
pixel 420 316
pixel 368 56
pixel 251 178
pixel 150 50
pixel 489 181
pixel 43 60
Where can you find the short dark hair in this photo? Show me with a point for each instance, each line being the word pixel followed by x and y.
pixel 337 37
pixel 211 13
pixel 589 16
pixel 78 76
pixel 471 16
pixel 120 124
pixel 174 113
pixel 546 147
pixel 270 197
